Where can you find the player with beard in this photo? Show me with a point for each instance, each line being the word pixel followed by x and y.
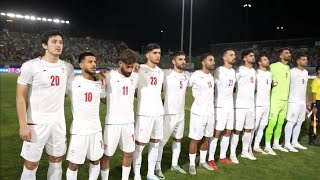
pixel 262 102
pixel 224 77
pixel 244 106
pixel 174 88
pixel 119 122
pixel 297 103
pixel 86 137
pixel 202 112
pixel 149 120
pixel 278 99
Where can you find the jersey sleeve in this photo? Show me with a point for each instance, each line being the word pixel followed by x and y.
pixel 103 93
pixel 26 74
pixel 238 74
pixel 192 80
pixel 216 75
pixel 273 71
pixel 70 77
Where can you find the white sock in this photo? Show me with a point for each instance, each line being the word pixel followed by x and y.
pixel 259 134
pixel 137 159
pixel 268 144
pixel 176 149
pixel 245 142
pixel 276 142
pixel 296 132
pixel 54 171
pixel 125 172
pixel 212 147
pixel 160 152
pixel 71 175
pixel 234 144
pixel 104 174
pixel 192 159
pixel 28 174
pixel 224 144
pixel 288 133
pixel 152 157
pixel 251 140
pixel 203 155
pixel 94 171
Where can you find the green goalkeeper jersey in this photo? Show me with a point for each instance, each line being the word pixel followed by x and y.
pixel 280 75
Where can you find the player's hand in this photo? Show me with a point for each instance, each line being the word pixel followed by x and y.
pixel 25 134
pixel 136 67
pixel 101 76
pixel 314 110
pixel 274 83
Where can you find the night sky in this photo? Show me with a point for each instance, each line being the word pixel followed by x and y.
pixel 138 22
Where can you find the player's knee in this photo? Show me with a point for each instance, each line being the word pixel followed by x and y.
pixel 127 155
pixel 55 159
pixel 31 165
pixel 72 166
pixel 227 133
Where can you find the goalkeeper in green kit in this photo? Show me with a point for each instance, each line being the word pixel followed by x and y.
pixel 278 100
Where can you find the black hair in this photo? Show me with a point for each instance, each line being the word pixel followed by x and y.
pixel 204 56
pixel 224 51
pixel 151 47
pixel 82 56
pixel 246 52
pixel 45 37
pixel 177 53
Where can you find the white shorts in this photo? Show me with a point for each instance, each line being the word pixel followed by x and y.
pixel 224 118
pixel 296 112
pixel 262 115
pixel 244 118
pixel 122 134
pixel 174 126
pixel 82 146
pixel 53 137
pixel 201 125
pixel 148 127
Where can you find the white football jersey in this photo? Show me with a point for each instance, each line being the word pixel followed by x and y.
pixel 174 89
pixel 263 87
pixel 149 91
pixel 120 97
pixel 48 82
pixel 224 79
pixel 245 87
pixel 298 85
pixel 85 97
pixel 203 92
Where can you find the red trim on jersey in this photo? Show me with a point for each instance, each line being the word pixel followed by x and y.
pixel 31 124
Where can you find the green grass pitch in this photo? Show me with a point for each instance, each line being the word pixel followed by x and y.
pixel 302 165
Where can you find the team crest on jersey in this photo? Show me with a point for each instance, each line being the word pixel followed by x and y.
pixel 63 69
pixel 131 80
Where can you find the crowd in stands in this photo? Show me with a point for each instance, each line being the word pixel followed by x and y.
pixel 16 48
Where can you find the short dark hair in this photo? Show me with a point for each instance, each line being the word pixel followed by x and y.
pixel 262 54
pixel 224 51
pixel 246 52
pixel 128 57
pixel 151 47
pixel 177 53
pixel 298 56
pixel 45 36
pixel 82 56
pixel 204 56
pixel 283 49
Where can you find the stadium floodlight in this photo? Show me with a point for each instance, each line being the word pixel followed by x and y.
pixel 62 21
pixel 27 17
pixel 56 20
pixel 44 19
pixel 19 16
pixel 32 18
pixel 67 22
pixel 39 18
pixel 50 20
pixel 11 15
pixel 3 14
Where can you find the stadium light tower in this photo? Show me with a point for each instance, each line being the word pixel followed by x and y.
pixel 182 26
pixel 247 7
pixel 190 38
